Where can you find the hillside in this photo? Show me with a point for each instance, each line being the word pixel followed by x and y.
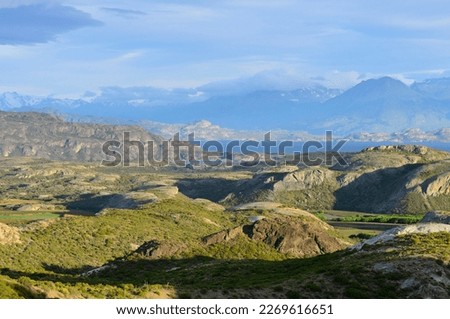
pixel 46 136
pixel 79 230
pixel 62 222
pixel 158 252
pixel 389 179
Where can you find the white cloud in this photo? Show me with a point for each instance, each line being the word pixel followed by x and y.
pixel 342 79
pixel 402 77
pixel 126 57
pixel 176 43
pixel 17 3
pixel 40 23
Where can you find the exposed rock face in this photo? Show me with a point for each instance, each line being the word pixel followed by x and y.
pixel 36 207
pixel 421 257
pixel 223 236
pixel 297 237
pixel 387 179
pixel 392 234
pixel 306 188
pixel 440 185
pixel 415 149
pixel 47 136
pixel 154 249
pixel 294 237
pixel 437 217
pixel 9 235
pixel 303 179
pixel 426 278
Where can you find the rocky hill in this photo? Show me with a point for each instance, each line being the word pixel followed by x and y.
pixel 387 179
pixel 80 230
pixel 47 136
pixel 289 231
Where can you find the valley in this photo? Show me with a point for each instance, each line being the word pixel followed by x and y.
pixel 247 150
pixel 81 230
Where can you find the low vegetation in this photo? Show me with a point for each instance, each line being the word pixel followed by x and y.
pixel 394 219
pixel 80 231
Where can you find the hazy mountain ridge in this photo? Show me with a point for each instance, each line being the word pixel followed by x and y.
pixel 385 105
pixel 376 106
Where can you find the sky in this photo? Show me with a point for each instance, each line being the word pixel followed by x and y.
pixel 65 48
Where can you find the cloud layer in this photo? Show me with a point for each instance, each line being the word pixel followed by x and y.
pixel 178 43
pixel 40 23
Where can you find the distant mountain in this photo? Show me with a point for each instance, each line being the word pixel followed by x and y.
pixel 12 100
pixel 374 106
pixel 382 105
pixel 18 102
pixel 205 130
pixel 266 109
pixel 260 110
pixel 434 88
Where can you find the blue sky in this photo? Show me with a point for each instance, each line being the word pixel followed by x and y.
pixel 69 47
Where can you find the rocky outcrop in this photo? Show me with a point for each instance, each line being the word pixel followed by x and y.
pixel 223 236
pixel 304 179
pixel 440 185
pixel 155 249
pixel 294 237
pixel 50 137
pixel 386 179
pixel 9 235
pixel 298 237
pixel 425 278
pixel 437 217
pixel 37 207
pixel 415 256
pixel 392 234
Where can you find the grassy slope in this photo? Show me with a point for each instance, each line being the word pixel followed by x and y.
pixel 51 257
pixel 338 275
pixel 62 249
pixel 50 260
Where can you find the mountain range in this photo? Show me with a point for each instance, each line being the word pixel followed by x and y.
pixel 376 106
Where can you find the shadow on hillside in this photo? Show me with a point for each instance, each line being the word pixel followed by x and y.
pixel 95 203
pixel 213 189
pixel 198 272
pixel 366 192
pixel 341 274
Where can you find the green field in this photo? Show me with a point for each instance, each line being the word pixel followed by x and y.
pixel 23 218
pixel 357 226
pixel 350 216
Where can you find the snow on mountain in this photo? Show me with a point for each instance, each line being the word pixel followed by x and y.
pixel 12 100
pixel 377 106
